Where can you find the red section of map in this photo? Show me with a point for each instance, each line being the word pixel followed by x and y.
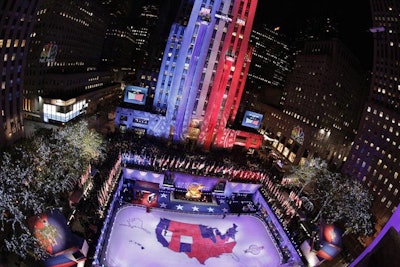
pixel 201 248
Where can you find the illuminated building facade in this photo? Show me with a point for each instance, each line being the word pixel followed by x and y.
pixel 17 19
pixel 374 158
pixel 63 60
pixel 323 104
pixel 202 77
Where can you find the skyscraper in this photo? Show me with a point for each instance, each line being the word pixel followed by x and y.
pixel 147 65
pixel 17 19
pixel 270 64
pixel 374 158
pixel 63 78
pixel 202 76
pixel 323 104
pixel 117 53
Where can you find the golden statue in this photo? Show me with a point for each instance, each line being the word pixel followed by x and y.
pixel 193 191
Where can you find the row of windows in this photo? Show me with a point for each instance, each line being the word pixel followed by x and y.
pixel 81 21
pixel 379 192
pixel 63 114
pixel 15 43
pixel 386 117
pixel 367 152
pixel 148 78
pixel 382 182
pixel 91 86
pixel 71 64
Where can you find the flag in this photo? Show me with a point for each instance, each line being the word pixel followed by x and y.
pixel 182 163
pixel 177 163
pixel 201 166
pixel 298 202
pixel 292 195
pixel 207 168
pixel 172 162
pixel 194 164
pixel 212 167
pixel 166 162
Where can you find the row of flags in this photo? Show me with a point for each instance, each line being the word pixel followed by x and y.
pixel 288 203
pixel 103 195
pixel 204 166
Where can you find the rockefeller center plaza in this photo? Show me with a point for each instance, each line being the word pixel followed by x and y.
pixel 141 196
pixel 199 133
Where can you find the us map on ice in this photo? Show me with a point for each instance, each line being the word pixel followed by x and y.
pixel 196 240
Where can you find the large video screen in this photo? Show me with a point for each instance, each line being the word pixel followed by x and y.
pixel 252 119
pixel 135 95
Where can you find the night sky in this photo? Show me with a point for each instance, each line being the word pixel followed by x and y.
pixel 353 20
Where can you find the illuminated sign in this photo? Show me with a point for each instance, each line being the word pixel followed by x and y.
pixel 298 134
pixel 49 53
pixel 141 121
pixel 252 119
pixel 205 14
pixel 135 95
pixel 223 17
pixel 51 231
pixel 60 102
pixel 240 21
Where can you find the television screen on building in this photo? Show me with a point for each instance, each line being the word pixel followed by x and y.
pixel 135 95
pixel 252 119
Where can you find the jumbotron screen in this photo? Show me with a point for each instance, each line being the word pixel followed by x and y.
pixel 135 95
pixel 252 119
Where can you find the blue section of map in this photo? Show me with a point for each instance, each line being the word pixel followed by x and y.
pixel 185 247
pixel 161 229
pixel 207 232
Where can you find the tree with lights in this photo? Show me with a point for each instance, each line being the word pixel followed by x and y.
pixel 38 176
pixel 343 201
pixel 305 174
pixel 18 201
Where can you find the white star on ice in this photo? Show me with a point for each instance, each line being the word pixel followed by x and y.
pixel 225 210
pixel 163 195
pixel 163 205
pixel 222 201
pixel 194 208
pixel 179 207
pixel 210 209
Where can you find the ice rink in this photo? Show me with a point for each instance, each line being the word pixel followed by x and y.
pixel 169 238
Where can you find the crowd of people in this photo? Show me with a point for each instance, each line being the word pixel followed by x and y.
pixel 147 154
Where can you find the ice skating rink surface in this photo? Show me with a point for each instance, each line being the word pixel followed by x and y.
pixel 165 238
